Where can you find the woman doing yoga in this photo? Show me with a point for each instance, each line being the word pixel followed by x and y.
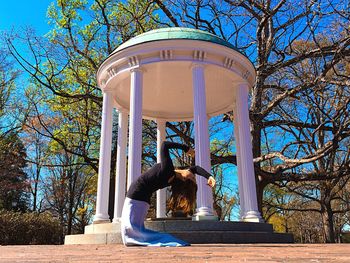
pixel 183 188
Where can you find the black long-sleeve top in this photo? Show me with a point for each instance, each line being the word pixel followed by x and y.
pixel 158 176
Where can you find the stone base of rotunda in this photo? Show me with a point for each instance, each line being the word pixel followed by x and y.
pixel 194 232
pixel 205 218
pixel 104 233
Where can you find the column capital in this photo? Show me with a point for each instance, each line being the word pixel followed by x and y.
pixel 107 91
pixel 122 110
pixel 137 69
pixel 197 64
pixel 160 120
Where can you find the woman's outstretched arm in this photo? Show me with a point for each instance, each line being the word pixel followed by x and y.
pixel 167 166
pixel 202 172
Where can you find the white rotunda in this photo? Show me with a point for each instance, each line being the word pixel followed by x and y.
pixel 174 74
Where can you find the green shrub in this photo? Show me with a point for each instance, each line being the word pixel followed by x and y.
pixel 18 228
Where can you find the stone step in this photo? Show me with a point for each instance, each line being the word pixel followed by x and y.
pixel 202 237
pixel 235 237
pixel 194 232
pixel 102 228
pixel 184 225
pixel 83 239
pixel 179 225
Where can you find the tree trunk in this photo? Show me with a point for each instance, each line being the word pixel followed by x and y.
pixel 70 213
pixel 62 223
pixel 328 226
pixel 111 196
pixel 35 193
pixel 255 129
pixel 69 223
pixel 260 186
pixel 256 141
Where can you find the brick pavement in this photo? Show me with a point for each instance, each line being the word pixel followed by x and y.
pixel 197 253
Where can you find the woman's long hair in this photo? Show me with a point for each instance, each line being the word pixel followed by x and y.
pixel 183 196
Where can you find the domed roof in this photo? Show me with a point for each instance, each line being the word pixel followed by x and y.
pixel 166 57
pixel 171 33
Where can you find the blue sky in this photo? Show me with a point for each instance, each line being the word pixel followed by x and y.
pixel 20 13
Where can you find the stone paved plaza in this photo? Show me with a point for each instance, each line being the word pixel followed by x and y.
pixel 196 253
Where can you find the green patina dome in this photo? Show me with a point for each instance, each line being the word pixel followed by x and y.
pixel 174 33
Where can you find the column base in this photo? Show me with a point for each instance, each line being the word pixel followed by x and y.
pixel 253 216
pixel 204 213
pixel 117 220
pixel 205 218
pixel 101 218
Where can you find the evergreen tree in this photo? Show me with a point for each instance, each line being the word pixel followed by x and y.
pixel 13 179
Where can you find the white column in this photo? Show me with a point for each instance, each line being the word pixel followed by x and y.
pixel 204 195
pixel 101 215
pixel 120 178
pixel 161 194
pixel 245 164
pixel 239 166
pixel 135 126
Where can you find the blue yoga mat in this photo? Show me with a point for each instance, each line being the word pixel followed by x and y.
pixel 134 232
